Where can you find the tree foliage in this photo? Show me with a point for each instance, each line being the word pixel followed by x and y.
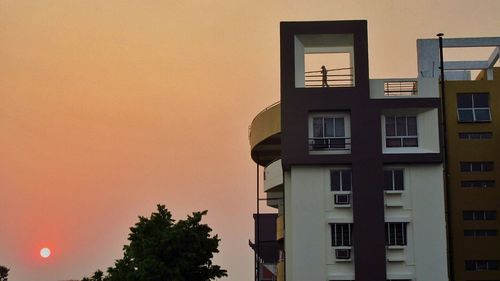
pixel 4 273
pixel 161 249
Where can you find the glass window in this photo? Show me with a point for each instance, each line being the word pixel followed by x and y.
pixel 340 180
pixel 341 234
pixel 401 131
pixel 394 179
pixel 396 233
pixel 473 107
pixel 329 133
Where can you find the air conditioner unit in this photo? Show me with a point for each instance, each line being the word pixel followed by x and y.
pixel 343 254
pixel 342 199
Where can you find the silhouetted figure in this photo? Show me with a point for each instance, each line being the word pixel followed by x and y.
pixel 324 73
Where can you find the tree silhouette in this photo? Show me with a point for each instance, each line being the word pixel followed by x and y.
pixel 4 273
pixel 161 249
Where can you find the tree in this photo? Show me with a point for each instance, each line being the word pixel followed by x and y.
pixel 4 272
pixel 161 249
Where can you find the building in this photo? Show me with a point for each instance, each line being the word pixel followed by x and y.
pixel 354 166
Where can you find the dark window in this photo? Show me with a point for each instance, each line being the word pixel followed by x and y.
pixel 395 233
pixel 473 107
pixel 401 131
pixel 475 136
pixel 477 183
pixel 480 232
pixel 329 133
pixel 341 234
pixel 394 179
pixel 481 265
pixel 476 166
pixel 479 215
pixel 340 180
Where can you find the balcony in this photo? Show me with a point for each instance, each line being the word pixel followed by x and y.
pixel 265 135
pixel 273 176
pixel 404 88
pixel 330 145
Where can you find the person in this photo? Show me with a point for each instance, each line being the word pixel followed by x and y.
pixel 324 73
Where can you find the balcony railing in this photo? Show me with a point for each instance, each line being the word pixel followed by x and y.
pixel 400 88
pixel 342 77
pixel 329 144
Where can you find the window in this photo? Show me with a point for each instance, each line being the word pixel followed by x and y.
pixel 479 215
pixel 476 166
pixel 341 234
pixel 395 233
pixel 394 179
pixel 475 136
pixel 477 183
pixel 481 265
pixel 480 232
pixel 340 180
pixel 401 131
pixel 473 107
pixel 329 132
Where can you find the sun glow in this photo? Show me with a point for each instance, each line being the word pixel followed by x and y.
pixel 45 253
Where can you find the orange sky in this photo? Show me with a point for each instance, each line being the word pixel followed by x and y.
pixel 110 107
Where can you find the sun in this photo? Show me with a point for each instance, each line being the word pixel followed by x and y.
pixel 45 253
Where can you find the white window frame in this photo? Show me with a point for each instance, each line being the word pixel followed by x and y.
pixel 393 180
pixel 328 145
pixel 335 239
pixel 473 109
pixel 482 165
pixel 406 134
pixel 392 235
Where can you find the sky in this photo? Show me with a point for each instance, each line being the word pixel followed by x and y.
pixel 108 108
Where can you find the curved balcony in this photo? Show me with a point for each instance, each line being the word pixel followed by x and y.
pixel 265 135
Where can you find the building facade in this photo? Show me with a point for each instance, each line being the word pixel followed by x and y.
pixel 354 166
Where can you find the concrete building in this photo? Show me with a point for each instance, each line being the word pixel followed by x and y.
pixel 354 166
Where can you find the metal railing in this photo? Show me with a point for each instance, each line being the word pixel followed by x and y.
pixel 343 77
pixel 400 88
pixel 319 144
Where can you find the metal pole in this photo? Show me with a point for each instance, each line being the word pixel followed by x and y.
pixel 445 161
pixel 257 242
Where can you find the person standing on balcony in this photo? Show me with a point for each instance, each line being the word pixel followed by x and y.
pixel 324 74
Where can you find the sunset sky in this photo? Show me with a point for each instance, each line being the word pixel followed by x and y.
pixel 110 107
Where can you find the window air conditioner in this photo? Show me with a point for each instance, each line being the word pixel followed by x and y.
pixel 342 199
pixel 343 254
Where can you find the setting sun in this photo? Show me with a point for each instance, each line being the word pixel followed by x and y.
pixel 45 253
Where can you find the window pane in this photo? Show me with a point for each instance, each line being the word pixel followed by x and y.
pixel 346 180
pixel 401 126
pixel 469 232
pixel 398 180
pixel 475 167
pixel 470 265
pixel 492 265
pixel 482 114
pixel 329 131
pixel 464 100
pixel 318 127
pixel 464 167
pixel 393 142
pixel 468 215
pixel 388 180
pixel 488 166
pixel 412 125
pixel 490 215
pixel 339 127
pixel 465 115
pixel 481 100
pixel 390 126
pixel 410 142
pixel 335 180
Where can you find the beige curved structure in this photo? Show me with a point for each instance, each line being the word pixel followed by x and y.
pixel 265 135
